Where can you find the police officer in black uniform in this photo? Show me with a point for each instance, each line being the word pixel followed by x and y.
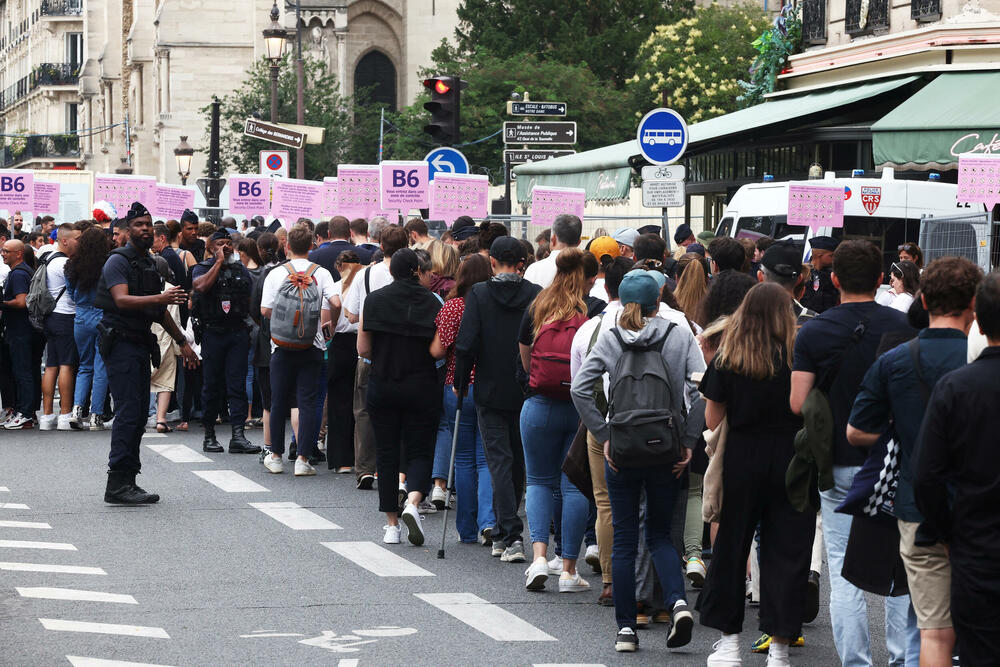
pixel 222 287
pixel 820 292
pixel 130 292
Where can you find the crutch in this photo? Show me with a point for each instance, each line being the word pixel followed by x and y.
pixel 451 474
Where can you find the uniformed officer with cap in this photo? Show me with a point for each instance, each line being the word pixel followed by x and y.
pixel 222 287
pixel 782 264
pixel 131 294
pixel 820 293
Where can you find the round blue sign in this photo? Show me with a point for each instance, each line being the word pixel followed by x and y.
pixel 274 162
pixel 662 136
pixel 446 160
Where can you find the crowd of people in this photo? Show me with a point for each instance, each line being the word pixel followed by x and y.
pixel 648 407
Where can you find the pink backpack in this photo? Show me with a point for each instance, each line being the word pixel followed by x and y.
pixel 549 372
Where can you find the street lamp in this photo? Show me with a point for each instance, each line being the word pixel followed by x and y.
pixel 274 47
pixel 183 154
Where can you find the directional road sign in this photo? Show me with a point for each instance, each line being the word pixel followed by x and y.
pixel 662 136
pixel 274 133
pixel 536 108
pixel 532 155
pixel 447 161
pixel 523 132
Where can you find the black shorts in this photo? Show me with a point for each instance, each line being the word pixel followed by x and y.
pixel 264 382
pixel 60 348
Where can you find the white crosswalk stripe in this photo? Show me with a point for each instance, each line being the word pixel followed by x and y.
pixel 45 567
pixel 79 661
pixel 62 625
pixel 4 489
pixel 230 481
pixel 46 593
pixel 26 544
pixel 14 506
pixel 567 664
pixel 490 619
pixel 377 560
pixel 295 516
pixel 25 524
pixel 153 434
pixel 179 454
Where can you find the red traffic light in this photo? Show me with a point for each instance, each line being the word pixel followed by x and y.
pixel 440 86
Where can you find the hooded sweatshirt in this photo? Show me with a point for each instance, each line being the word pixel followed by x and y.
pixel 487 340
pixel 683 358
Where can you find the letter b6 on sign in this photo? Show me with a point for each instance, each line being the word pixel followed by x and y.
pixel 404 185
pixel 15 183
pixel 245 189
pixel 17 190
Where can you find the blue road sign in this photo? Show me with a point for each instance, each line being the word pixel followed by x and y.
pixel 662 136
pixel 447 161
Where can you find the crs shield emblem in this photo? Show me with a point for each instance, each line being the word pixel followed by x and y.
pixel 870 198
pixel 226 306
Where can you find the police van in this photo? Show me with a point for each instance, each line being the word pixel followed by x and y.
pixel 886 211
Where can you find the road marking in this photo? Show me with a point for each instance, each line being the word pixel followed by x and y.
pixel 567 664
pixel 151 434
pixel 25 544
pixel 45 567
pixel 295 516
pixel 488 618
pixel 348 662
pixel 4 489
pixel 74 594
pixel 78 661
pixel 14 506
pixel 179 454
pixel 376 559
pixel 25 524
pixel 62 625
pixel 230 481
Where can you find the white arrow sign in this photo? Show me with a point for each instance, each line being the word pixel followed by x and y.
pixel 441 164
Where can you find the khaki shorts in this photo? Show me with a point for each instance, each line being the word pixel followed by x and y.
pixel 928 573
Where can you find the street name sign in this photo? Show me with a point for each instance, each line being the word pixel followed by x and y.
pixel 523 132
pixel 274 133
pixel 536 108
pixel 532 155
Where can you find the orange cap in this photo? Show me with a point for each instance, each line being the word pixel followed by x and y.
pixel 604 245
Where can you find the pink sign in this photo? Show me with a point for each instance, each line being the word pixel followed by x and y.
pixel 357 190
pixel 453 195
pixel 404 185
pixel 293 199
pixel 547 203
pixel 121 191
pixel 249 195
pixel 46 198
pixel 815 205
pixel 979 179
pixel 169 201
pixel 330 194
pixel 17 190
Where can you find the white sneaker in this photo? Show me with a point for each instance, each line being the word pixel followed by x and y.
pixel 65 422
pixel 6 416
pixel 555 566
pixel 391 534
pixel 414 531
pixel 439 497
pixel 777 655
pixel 695 572
pixel 572 583
pixel 303 468
pixel 273 463
pixel 96 422
pixel 726 652
pixel 536 575
pixel 401 497
pixel 47 423
pixel 76 419
pixel 593 557
pixel 17 423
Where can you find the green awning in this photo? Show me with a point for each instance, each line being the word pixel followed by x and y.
pixel 605 172
pixel 953 114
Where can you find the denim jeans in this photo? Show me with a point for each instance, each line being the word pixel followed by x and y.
pixel 848 609
pixel 548 427
pixel 472 482
pixel 91 376
pixel 624 489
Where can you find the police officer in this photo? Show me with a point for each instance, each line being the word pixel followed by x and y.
pixel 820 293
pixel 131 294
pixel 221 307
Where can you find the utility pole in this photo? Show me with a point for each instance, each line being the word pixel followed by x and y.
pixel 214 171
pixel 300 156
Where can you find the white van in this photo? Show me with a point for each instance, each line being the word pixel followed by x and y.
pixel 883 210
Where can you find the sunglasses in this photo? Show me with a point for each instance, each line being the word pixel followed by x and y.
pixel 907 247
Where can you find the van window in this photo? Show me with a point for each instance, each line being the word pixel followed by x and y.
pixel 725 227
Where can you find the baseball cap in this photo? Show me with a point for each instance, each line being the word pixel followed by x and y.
pixel 508 250
pixel 783 258
pixel 697 248
pixel 626 236
pixel 705 236
pixel 639 287
pixel 604 245
pixel 658 276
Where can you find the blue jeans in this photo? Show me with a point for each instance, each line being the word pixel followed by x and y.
pixel 548 427
pixel 91 376
pixel 472 476
pixel 624 489
pixel 848 609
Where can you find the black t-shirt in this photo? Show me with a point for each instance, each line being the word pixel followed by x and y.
pixel 196 248
pixel 839 346
pixel 400 358
pixel 18 282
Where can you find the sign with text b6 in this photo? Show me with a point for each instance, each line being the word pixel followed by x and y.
pixel 404 185
pixel 17 190
pixel 249 195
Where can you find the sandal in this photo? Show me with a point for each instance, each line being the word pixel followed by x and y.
pixel 183 426
pixel 161 427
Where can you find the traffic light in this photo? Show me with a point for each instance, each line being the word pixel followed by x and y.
pixel 445 107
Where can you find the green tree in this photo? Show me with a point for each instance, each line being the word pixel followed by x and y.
pixel 323 107
pixel 698 61
pixel 773 47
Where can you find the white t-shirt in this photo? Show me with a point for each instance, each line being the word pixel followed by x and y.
pixel 343 324
pixel 55 275
pixel 598 291
pixel 544 272
pixel 378 278
pixel 323 279
pixel 902 302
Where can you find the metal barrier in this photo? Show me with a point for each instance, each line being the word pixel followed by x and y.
pixel 969 235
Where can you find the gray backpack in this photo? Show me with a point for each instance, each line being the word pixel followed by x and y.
pixel 645 431
pixel 296 310
pixel 39 300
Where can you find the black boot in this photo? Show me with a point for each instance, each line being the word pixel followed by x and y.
pixel 121 490
pixel 239 444
pixel 210 444
pixel 151 497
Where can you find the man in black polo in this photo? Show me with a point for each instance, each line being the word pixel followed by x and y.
pixel 334 238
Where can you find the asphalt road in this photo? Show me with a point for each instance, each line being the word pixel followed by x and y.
pixel 207 578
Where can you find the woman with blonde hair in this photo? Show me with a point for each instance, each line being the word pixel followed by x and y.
pixel 692 283
pixel 748 382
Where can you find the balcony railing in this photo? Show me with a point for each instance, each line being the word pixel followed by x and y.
pixel 48 147
pixel 814 22
pixel 62 8
pixel 874 19
pixel 14 92
pixel 55 74
pixel 925 10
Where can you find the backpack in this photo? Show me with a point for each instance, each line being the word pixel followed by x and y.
pixel 645 431
pixel 296 310
pixel 548 374
pixel 39 300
